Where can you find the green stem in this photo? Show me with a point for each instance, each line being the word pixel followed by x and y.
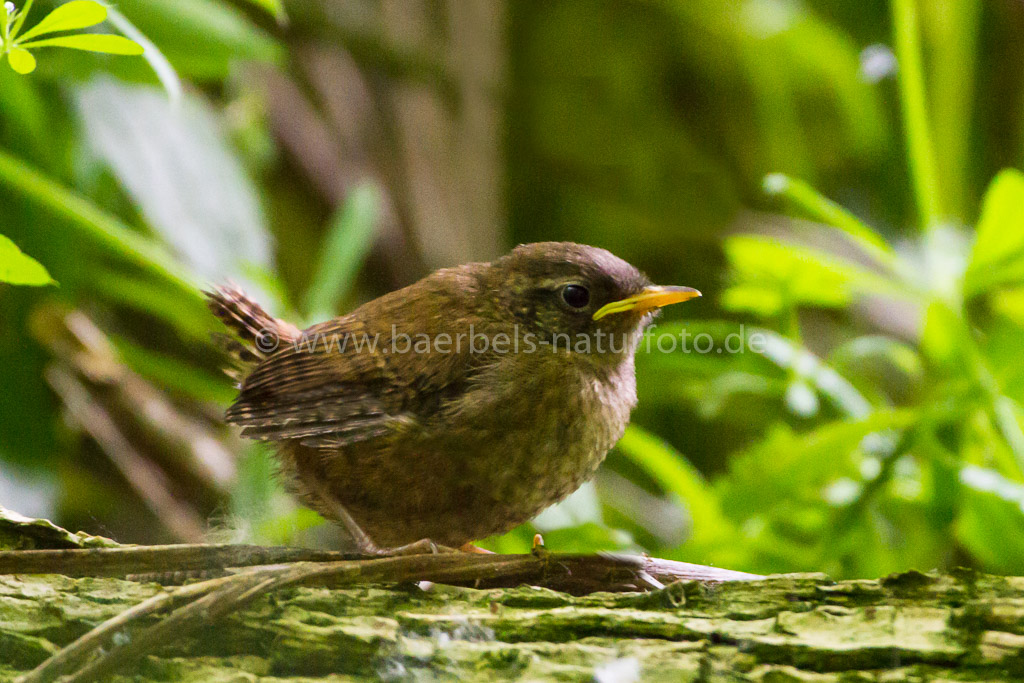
pixel 846 517
pixel 955 25
pixel 5 31
pixel 920 152
pixel 20 20
pixel 820 208
pixel 348 240
pixel 95 225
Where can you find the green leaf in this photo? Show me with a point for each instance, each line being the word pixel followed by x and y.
pixel 1009 303
pixel 17 268
pixel 820 208
pixel 789 467
pixel 763 301
pixel 21 60
pixel 68 17
pixel 943 338
pixel 189 317
pixel 179 169
pixel 715 365
pixel 794 273
pixel 348 241
pixel 174 374
pixel 864 350
pixel 93 227
pixel 990 523
pixel 91 42
pixel 998 254
pixel 716 396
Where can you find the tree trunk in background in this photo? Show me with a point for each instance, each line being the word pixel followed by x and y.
pixel 964 627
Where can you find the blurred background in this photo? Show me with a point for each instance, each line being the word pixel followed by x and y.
pixel 323 152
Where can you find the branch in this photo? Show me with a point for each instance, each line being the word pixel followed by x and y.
pixel 215 598
pixel 574 573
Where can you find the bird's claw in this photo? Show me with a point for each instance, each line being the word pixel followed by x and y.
pixel 424 546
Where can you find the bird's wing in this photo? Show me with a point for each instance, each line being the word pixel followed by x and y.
pixel 325 395
pixel 298 395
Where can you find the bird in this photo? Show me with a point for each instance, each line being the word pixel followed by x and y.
pixel 455 408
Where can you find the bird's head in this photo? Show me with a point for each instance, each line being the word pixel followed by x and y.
pixel 579 298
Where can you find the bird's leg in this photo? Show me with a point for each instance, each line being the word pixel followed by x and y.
pixel 364 544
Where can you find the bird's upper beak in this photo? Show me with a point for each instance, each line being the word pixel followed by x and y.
pixel 650 297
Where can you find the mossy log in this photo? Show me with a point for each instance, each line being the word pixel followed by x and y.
pixel 921 627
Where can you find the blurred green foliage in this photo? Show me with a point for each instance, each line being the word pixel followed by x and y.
pixel 847 399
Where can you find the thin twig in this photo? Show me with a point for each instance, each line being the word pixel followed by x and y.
pixel 71 656
pixel 180 622
pixel 457 567
pixel 155 559
pixel 213 599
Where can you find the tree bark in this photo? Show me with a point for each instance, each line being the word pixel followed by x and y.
pixel 963 627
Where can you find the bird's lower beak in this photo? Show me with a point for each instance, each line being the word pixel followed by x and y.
pixel 650 297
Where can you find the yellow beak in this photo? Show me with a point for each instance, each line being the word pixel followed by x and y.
pixel 651 297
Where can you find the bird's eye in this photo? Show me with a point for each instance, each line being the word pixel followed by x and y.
pixel 577 296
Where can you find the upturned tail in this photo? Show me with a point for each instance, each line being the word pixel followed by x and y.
pixel 257 333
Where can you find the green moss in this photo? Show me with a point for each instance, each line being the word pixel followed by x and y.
pixel 783 629
pixel 24 651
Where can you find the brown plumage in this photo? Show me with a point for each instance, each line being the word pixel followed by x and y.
pixel 444 439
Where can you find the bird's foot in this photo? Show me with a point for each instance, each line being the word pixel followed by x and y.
pixel 424 546
pixel 470 548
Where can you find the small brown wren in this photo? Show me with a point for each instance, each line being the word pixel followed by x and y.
pixel 457 407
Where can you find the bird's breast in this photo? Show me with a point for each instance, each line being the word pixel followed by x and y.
pixel 538 430
pixel 521 437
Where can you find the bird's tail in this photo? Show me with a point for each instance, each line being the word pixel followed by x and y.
pixel 257 334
